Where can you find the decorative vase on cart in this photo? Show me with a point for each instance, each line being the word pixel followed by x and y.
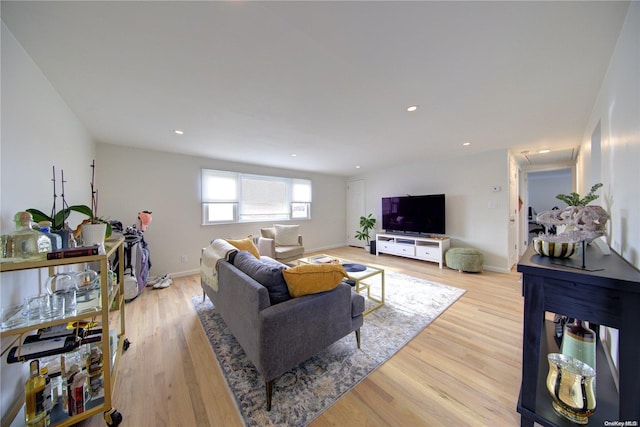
pixel 571 384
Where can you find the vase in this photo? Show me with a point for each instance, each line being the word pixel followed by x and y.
pixel 571 384
pixel 93 234
pixel 579 342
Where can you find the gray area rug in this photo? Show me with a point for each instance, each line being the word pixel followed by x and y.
pixel 303 393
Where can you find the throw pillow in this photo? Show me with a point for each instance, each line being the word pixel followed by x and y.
pixel 308 279
pixel 268 233
pixel 268 275
pixel 245 245
pixel 287 235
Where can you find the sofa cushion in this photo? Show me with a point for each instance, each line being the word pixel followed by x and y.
pixel 245 245
pixel 267 273
pixel 308 279
pixel 287 235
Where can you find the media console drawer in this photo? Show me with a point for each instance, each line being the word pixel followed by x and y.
pixel 404 249
pixel 431 253
pixel 385 246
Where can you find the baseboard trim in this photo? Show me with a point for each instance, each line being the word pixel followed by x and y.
pixel 185 273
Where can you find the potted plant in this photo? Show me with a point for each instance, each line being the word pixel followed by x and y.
pixel 566 228
pixel 367 223
pixel 58 218
pixel 95 229
pixel 573 199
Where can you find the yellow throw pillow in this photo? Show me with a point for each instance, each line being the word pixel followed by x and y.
pixel 308 279
pixel 245 245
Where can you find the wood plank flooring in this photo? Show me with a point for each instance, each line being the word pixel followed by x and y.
pixel 463 369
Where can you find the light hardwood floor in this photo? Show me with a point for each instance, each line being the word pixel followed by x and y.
pixel 462 370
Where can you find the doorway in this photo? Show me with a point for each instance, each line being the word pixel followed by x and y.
pixel 355 209
pixel 542 188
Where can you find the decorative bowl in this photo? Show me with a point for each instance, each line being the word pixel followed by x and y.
pixel 554 249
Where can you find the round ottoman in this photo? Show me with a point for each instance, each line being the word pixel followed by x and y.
pixel 464 259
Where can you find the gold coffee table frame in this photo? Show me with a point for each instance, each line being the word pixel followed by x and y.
pixel 360 277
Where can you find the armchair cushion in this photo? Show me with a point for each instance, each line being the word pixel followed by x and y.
pixel 268 274
pixel 308 279
pixel 268 244
pixel 289 252
pixel 245 245
pixel 268 233
pixel 287 235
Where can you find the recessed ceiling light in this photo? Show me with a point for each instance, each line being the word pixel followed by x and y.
pixel 412 108
pixel 358 167
pixel 294 155
pixel 544 151
pixel 466 144
pixel 178 132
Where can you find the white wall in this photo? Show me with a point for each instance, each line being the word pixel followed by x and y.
pixel 544 186
pixel 476 216
pixel 38 131
pixel 617 108
pixel 130 180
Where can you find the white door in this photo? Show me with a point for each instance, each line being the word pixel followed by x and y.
pixel 513 212
pixel 355 209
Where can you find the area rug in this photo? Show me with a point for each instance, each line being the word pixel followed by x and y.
pixel 304 392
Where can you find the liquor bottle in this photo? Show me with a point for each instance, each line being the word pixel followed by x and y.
pixel 34 396
pixel 64 402
pixel 27 242
pixel 56 240
pixel 47 399
pixel 579 342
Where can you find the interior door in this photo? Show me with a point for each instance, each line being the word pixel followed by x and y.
pixel 513 212
pixel 355 209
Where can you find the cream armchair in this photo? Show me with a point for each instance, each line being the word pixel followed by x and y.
pixel 281 242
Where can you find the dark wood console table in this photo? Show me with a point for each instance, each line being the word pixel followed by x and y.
pixel 606 293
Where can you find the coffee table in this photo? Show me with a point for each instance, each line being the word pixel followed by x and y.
pixel 365 276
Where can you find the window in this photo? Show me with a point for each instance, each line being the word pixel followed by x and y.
pixel 236 197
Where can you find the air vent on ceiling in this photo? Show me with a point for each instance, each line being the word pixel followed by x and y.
pixel 561 156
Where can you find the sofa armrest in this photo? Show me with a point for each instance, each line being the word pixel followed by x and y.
pixel 239 301
pixel 297 329
pixel 267 247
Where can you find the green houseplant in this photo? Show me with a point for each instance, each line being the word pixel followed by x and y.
pixel 94 219
pixel 573 199
pixel 58 218
pixel 367 223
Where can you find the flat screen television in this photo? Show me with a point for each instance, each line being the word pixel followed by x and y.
pixel 414 214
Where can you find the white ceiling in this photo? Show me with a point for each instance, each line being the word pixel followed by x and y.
pixel 328 81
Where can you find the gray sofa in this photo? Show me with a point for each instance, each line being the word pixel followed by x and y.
pixel 277 336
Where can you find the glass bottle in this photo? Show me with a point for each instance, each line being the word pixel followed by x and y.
pixel 579 342
pixel 27 242
pixel 34 396
pixel 47 399
pixel 56 240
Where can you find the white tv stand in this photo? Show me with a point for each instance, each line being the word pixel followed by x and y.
pixel 417 247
